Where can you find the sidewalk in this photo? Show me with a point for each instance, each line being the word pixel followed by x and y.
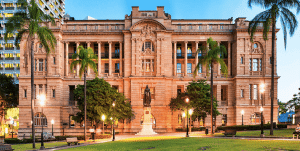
pixel 178 134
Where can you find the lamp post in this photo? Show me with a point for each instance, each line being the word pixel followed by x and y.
pixel 52 122
pixel 190 112
pixel 113 121
pixel 187 119
pixel 261 119
pixel 242 117
pixel 42 103
pixel 103 118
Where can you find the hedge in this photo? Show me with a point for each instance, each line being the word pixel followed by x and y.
pixel 13 141
pixel 249 127
pixel 81 137
pixel 193 129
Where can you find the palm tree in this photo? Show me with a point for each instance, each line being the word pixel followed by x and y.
pixel 213 56
pixel 27 23
pixel 84 58
pixel 274 9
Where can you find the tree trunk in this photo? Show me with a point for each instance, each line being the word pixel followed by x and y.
pixel 85 104
pixel 273 66
pixel 32 95
pixel 211 95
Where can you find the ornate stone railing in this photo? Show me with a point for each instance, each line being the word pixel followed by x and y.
pixel 92 27
pixel 203 27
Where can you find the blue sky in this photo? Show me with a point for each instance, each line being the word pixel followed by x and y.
pixel 288 63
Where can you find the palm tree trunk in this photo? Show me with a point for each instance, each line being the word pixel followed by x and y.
pixel 211 95
pixel 32 95
pixel 273 65
pixel 84 104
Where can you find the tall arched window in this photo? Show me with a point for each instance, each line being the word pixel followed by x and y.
pixel 147 45
pixel 40 119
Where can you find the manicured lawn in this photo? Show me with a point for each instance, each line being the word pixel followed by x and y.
pixel 277 133
pixel 21 147
pixel 181 144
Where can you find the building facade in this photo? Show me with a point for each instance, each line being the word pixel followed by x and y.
pixel 150 48
pixel 9 53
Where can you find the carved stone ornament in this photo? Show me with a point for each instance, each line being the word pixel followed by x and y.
pixel 147 31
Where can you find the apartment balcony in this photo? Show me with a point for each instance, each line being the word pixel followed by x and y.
pixel 1 18
pixel 1 8
pixel 115 55
pixel 9 58
pixel 1 69
pixel 18 68
pixel 9 8
pixel 9 48
pixel 9 69
pixel 1 58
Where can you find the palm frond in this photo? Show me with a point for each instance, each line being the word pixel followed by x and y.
pixel 259 18
pixel 46 37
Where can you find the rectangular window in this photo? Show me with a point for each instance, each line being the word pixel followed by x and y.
pixel 178 67
pixel 178 51
pixel 255 64
pixel 242 93
pixel 40 89
pixel 72 122
pixel 178 91
pixel 41 64
pixel 242 60
pixel 250 91
pixel 179 26
pixel 45 64
pixel 255 92
pixel 189 51
pixel 200 68
pixel 71 95
pixel 250 64
pixel 200 27
pixel 210 27
pixel 117 67
pixel 116 87
pixel 260 64
pixel 106 65
pixel 54 60
pixel 189 68
pixel 221 27
pixel 25 93
pixel 53 93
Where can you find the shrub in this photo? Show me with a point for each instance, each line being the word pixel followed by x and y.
pixel 281 125
pixel 193 129
pixel 81 137
pixel 12 141
pixel 247 127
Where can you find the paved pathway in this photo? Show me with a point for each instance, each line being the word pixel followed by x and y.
pixel 179 134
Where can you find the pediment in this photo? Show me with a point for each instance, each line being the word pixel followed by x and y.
pixel 148 25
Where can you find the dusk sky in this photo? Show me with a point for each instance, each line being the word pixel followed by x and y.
pixel 288 63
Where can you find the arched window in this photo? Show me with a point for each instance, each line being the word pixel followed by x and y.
pixel 40 119
pixel 147 45
pixel 255 46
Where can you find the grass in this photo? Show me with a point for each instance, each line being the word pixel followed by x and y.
pixel 182 144
pixel 21 147
pixel 276 133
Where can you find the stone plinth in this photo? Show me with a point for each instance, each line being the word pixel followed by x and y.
pixel 147 124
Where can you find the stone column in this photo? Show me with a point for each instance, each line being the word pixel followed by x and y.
pixel 185 58
pixel 37 90
pixel 88 68
pixel 229 58
pixel 37 65
pixel 121 59
pixel 196 57
pixel 99 58
pixel 67 58
pixel 218 65
pixel 110 62
pixel 77 67
pixel 175 58
pixel 219 94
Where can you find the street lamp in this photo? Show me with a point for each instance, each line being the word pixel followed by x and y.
pixel 42 103
pixel 12 124
pixel 242 117
pixel 187 119
pixel 113 121
pixel 190 113
pixel 52 122
pixel 261 119
pixel 103 118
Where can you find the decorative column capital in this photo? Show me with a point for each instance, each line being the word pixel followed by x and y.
pixel 185 42
pixel 110 42
pixel 197 42
pixel 99 42
pixel 88 42
pixel 77 42
pixel 175 42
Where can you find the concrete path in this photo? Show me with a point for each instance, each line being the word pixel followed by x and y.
pixel 178 134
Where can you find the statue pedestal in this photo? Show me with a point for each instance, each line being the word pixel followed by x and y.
pixel 147 124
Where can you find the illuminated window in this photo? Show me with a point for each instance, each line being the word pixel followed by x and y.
pixel 178 67
pixel 17 75
pixel 8 14
pixel 72 122
pixel 9 45
pixel 51 5
pixel 189 51
pixel 9 5
pixel 189 68
pixel 255 93
pixel 41 3
pixel 178 51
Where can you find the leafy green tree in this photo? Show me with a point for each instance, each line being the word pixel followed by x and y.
pixel 294 103
pixel 275 9
pixel 214 51
pixel 282 107
pixel 27 23
pixel 200 100
pixel 100 97
pixel 84 58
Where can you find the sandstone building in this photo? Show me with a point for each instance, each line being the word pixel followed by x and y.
pixel 150 48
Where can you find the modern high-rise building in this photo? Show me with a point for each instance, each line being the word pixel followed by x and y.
pixel 9 53
pixel 149 48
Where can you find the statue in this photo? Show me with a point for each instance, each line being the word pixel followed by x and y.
pixel 147 97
